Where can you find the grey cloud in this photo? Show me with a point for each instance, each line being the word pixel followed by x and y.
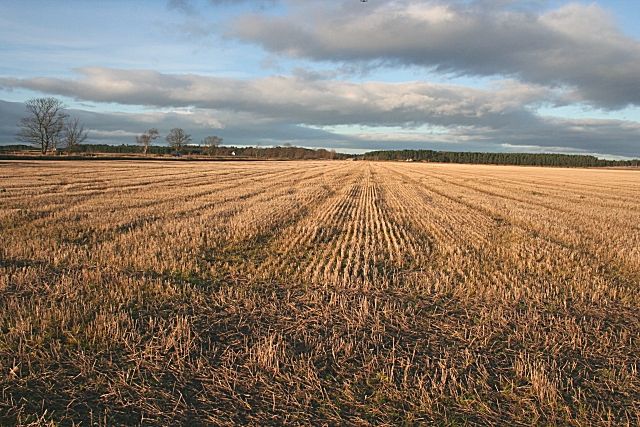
pixel 120 128
pixel 578 46
pixel 10 113
pixel 285 109
pixel 586 135
pixel 298 99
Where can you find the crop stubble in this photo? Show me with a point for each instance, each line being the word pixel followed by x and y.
pixel 358 292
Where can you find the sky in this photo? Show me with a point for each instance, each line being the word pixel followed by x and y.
pixel 474 75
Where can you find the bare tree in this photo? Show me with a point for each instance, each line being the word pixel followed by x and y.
pixel 74 133
pixel 211 142
pixel 44 124
pixel 178 138
pixel 147 138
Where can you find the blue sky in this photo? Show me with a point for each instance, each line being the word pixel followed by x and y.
pixel 485 75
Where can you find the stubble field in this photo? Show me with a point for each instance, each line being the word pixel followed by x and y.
pixel 162 293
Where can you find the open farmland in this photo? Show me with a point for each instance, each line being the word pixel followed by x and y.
pixel 158 293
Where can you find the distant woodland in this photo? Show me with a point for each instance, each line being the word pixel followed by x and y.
pixel 525 159
pixel 299 153
pixel 293 153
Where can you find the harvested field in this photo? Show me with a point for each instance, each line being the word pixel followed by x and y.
pixel 318 292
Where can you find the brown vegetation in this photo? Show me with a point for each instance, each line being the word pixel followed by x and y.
pixel 318 292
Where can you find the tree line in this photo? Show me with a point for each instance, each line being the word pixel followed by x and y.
pixel 294 153
pixel 48 127
pixel 523 159
pixel 177 139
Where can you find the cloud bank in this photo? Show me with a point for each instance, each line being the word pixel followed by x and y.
pixel 296 99
pixel 305 111
pixel 577 46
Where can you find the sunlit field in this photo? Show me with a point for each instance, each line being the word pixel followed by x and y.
pixel 162 293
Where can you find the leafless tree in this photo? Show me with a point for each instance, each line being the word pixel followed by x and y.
pixel 74 133
pixel 211 142
pixel 178 138
pixel 44 125
pixel 147 138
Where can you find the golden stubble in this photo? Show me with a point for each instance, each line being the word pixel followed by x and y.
pixel 157 293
